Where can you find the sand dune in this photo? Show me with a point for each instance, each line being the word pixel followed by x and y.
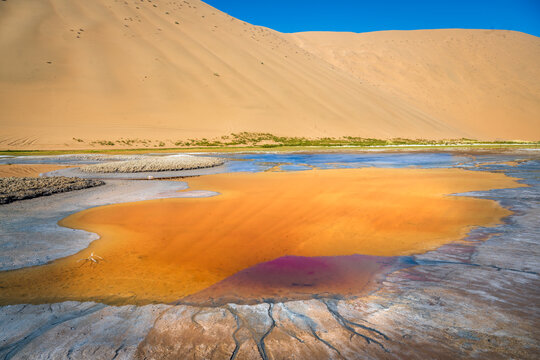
pixel 483 82
pixel 165 71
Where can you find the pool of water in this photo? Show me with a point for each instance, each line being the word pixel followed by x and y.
pixel 302 161
pixel 255 162
pixel 523 201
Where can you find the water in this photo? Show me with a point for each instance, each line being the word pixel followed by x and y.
pixel 306 161
pixel 512 246
pixel 256 162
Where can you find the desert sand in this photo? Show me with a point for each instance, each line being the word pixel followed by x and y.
pixel 482 82
pixel 75 72
pixel 163 250
pixel 23 170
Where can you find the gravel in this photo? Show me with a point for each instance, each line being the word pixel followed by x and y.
pixel 13 188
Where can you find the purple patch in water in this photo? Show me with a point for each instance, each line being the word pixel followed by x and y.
pixel 298 277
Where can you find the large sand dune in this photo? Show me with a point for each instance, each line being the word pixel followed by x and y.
pixel 104 70
pixel 483 82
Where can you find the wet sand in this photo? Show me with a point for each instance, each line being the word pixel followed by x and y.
pixel 163 250
pixel 30 170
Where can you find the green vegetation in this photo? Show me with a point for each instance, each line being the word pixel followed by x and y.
pixel 102 142
pixel 266 140
pixel 246 141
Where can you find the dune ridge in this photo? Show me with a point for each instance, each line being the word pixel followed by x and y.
pixel 73 72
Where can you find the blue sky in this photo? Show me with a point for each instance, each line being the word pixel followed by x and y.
pixel 363 16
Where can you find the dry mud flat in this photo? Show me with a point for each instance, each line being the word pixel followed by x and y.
pixel 474 299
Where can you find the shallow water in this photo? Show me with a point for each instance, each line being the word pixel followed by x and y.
pixel 291 161
pixel 525 165
pixel 256 162
pixel 476 298
pixel 161 251
pixel 264 161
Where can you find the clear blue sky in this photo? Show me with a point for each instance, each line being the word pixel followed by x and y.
pixel 364 16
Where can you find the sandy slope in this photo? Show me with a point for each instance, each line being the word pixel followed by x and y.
pixel 103 69
pixel 484 82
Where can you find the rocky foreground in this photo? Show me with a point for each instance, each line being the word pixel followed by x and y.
pixel 14 188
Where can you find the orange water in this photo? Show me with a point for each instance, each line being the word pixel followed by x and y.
pixel 163 250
